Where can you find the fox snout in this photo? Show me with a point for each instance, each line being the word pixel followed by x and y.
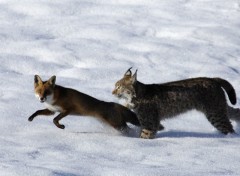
pixel 42 99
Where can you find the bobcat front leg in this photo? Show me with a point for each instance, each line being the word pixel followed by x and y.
pixel 40 112
pixel 147 134
pixel 150 134
pixel 160 127
pixel 149 119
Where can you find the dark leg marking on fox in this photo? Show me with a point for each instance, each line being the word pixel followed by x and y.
pixel 58 118
pixel 41 112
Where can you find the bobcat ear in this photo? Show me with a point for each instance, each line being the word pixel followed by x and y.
pixel 128 72
pixel 37 80
pixel 134 77
pixel 52 80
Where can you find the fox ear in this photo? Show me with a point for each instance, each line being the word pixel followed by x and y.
pixel 128 72
pixel 134 77
pixel 52 80
pixel 37 80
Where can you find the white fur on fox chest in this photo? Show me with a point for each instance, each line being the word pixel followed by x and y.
pixel 54 108
pixel 49 104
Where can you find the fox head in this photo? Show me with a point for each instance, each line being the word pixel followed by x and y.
pixel 124 88
pixel 44 89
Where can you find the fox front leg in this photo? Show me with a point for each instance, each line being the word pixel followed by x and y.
pixel 40 112
pixel 58 118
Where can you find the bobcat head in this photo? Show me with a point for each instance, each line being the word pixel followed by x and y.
pixel 124 88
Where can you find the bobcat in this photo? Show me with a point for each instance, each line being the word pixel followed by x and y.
pixel 155 102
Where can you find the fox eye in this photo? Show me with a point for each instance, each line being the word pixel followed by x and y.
pixel 47 92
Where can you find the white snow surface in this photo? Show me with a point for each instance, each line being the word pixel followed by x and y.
pixel 88 45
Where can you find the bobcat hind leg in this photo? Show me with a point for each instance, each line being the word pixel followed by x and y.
pixel 220 121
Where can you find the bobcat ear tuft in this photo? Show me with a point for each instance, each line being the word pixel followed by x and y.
pixel 52 80
pixel 128 72
pixel 37 79
pixel 134 77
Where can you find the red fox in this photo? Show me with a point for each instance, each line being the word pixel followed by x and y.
pixel 69 101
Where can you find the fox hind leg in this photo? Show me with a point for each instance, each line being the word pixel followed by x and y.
pixel 58 118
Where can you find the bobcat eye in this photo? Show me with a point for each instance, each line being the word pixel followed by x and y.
pixel 117 87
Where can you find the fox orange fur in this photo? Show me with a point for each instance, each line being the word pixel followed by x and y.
pixel 67 101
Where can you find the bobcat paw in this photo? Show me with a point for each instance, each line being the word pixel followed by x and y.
pixel 147 134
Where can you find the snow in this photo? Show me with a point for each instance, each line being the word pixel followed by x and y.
pixel 89 45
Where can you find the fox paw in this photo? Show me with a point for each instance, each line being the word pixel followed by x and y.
pixel 30 119
pixel 61 126
pixel 58 125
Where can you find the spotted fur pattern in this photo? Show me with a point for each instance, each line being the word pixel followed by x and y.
pixel 154 102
